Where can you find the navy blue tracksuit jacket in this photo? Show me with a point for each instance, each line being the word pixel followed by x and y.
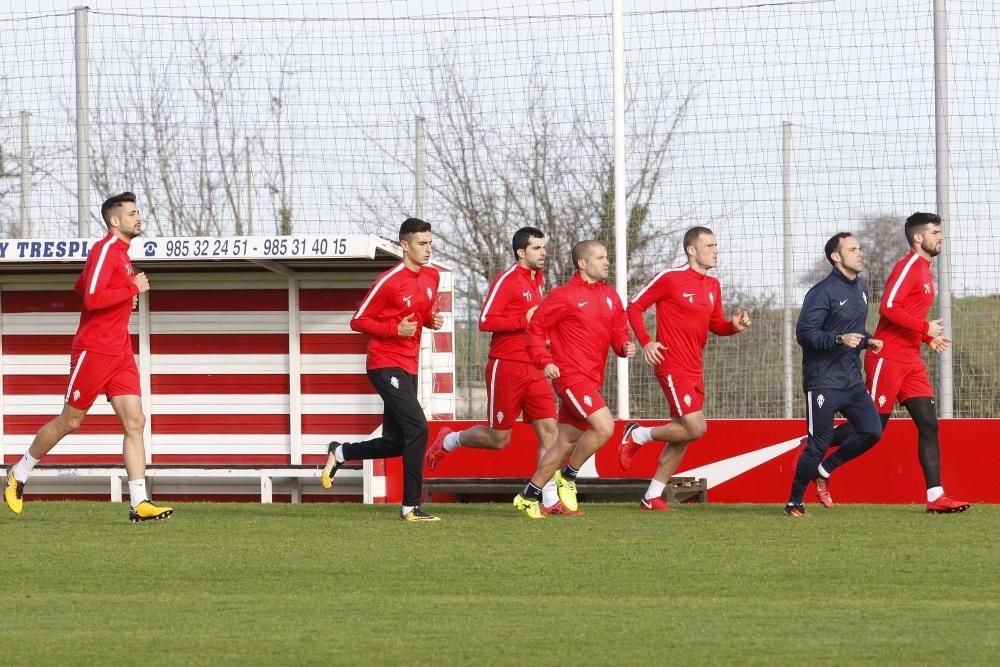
pixel 834 305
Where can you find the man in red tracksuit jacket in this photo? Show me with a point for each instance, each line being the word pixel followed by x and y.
pixel 393 313
pixel 513 385
pixel 688 305
pixel 897 373
pixel 102 360
pixel 580 320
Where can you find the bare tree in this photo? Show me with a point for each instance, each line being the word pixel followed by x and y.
pixel 43 164
pixel 555 174
pixel 183 144
pixel 277 168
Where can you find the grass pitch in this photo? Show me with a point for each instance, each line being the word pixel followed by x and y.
pixel 348 584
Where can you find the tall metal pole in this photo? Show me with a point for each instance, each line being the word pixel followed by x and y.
pixel 786 196
pixel 425 390
pixel 418 168
pixel 946 402
pixel 82 122
pixel 249 191
pixel 621 237
pixel 26 231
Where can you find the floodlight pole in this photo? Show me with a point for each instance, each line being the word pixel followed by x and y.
pixel 26 231
pixel 786 192
pixel 82 122
pixel 621 237
pixel 945 360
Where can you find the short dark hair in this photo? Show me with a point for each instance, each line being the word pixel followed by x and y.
pixel 580 249
pixel 523 236
pixel 917 223
pixel 112 203
pixel 833 245
pixel 692 235
pixel 412 226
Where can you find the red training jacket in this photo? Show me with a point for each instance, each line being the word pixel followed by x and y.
pixel 398 292
pixel 908 297
pixel 511 295
pixel 688 306
pixel 580 320
pixel 107 290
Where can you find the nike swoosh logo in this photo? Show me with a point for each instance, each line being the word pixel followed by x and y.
pixel 688 295
pixel 843 302
pixel 722 471
pixel 582 304
pixel 627 433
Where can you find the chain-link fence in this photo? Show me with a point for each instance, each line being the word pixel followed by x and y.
pixel 265 117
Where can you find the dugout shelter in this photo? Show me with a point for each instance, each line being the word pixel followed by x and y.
pixel 247 362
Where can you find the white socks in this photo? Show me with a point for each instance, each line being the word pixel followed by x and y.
pixel 452 441
pixel 642 434
pixel 655 489
pixel 338 453
pixel 137 491
pixel 24 467
pixel 406 510
pixel 822 472
pixel 550 495
pixel 934 493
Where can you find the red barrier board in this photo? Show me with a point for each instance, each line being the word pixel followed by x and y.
pixel 753 461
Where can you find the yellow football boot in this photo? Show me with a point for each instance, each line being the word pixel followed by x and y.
pixel 146 510
pixel 529 507
pixel 331 467
pixel 567 491
pixel 13 492
pixel 417 514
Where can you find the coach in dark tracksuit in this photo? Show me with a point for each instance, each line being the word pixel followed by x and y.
pixel 831 331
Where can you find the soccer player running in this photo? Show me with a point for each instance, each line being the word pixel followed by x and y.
pixel 393 313
pixel 688 306
pixel 101 360
pixel 513 384
pixel 897 373
pixel 831 332
pixel 580 320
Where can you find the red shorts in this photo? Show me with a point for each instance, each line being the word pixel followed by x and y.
pixel 577 401
pixel 91 373
pixel 685 393
pixel 889 381
pixel 515 387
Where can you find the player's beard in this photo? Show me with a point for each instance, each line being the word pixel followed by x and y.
pixel 933 251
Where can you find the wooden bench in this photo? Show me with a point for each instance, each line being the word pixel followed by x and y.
pixel 679 489
pixel 265 475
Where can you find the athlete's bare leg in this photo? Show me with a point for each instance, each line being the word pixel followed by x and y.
pixel 484 437
pixel 602 425
pixel 55 430
pixel 682 429
pixel 690 427
pixel 129 411
pixel 547 430
pixel 554 457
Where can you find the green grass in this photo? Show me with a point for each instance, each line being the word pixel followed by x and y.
pixel 348 584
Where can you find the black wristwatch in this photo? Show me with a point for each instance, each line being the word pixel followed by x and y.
pixel 839 340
